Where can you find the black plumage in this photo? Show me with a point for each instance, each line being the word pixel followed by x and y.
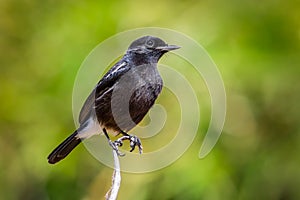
pixel 122 97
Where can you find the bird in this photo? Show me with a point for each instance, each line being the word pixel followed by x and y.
pixel 121 99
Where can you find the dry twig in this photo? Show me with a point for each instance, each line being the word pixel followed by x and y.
pixel 116 179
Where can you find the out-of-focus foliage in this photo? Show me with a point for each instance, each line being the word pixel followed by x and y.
pixel 256 46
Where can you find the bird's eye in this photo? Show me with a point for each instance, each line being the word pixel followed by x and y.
pixel 150 43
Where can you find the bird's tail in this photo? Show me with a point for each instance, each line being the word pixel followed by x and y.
pixel 62 150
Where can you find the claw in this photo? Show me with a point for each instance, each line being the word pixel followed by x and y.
pixel 134 141
pixel 115 145
pixel 119 142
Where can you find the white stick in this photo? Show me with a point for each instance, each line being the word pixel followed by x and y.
pixel 116 180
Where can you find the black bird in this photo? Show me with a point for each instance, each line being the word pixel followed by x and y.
pixel 121 98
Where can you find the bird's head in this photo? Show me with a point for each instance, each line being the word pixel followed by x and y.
pixel 150 48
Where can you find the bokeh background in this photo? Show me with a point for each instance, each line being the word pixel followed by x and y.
pixel 256 46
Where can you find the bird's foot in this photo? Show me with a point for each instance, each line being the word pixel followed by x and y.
pixel 134 141
pixel 115 145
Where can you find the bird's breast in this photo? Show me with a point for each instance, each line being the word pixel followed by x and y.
pixel 133 94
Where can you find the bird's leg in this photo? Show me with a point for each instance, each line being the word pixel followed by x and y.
pixel 115 145
pixel 134 141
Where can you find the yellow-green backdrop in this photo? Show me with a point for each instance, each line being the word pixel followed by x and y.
pixel 256 45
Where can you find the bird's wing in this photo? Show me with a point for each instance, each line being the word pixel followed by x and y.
pixel 87 108
pixel 105 84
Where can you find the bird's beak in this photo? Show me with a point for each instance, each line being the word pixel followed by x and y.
pixel 168 47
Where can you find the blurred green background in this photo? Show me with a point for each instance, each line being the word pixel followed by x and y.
pixel 256 47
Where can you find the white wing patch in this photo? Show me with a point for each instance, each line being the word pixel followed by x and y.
pixel 120 66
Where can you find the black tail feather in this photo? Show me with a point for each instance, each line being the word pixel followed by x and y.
pixel 64 148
